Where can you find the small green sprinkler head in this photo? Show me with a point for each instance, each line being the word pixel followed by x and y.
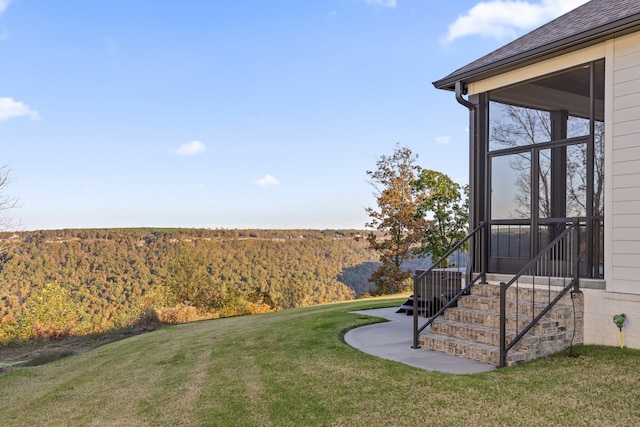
pixel 619 319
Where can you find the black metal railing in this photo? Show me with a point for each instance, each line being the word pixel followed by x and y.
pixel 440 286
pixel 546 279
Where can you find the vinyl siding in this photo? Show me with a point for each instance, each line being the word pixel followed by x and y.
pixel 625 166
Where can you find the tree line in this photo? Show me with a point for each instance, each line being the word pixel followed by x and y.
pixel 55 283
pixel 65 282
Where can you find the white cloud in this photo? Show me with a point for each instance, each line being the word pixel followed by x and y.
pixel 194 147
pixel 4 33
pixel 443 140
pixel 501 19
pixel 268 180
pixel 10 109
pixel 4 4
pixel 383 3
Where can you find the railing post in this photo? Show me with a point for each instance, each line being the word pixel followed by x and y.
pixel 503 324
pixel 576 267
pixel 484 251
pixel 415 312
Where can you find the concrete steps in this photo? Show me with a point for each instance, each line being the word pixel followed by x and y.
pixel 472 329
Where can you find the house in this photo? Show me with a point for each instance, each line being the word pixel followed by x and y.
pixel 555 138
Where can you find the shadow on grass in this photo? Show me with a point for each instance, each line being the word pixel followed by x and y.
pixel 21 354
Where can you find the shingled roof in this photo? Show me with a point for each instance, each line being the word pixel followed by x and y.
pixel 591 23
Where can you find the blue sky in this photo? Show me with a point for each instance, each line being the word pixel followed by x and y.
pixel 232 114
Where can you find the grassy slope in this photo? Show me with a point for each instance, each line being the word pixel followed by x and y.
pixel 292 368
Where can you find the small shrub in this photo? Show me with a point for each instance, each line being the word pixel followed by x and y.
pixel 149 319
pixel 49 331
pixel 257 308
pixel 181 313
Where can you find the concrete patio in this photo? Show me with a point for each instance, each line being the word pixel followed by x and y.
pixel 392 340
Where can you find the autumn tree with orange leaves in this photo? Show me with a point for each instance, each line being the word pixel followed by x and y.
pixel 398 221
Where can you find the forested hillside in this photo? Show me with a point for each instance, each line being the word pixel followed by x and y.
pixel 95 280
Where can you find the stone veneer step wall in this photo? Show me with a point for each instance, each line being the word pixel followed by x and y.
pixel 472 329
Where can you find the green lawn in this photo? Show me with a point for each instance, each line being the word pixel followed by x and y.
pixel 291 368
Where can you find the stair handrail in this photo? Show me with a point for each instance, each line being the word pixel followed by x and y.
pixel 464 291
pixel 574 286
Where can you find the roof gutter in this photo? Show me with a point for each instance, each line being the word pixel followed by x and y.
pixel 473 134
pixel 459 91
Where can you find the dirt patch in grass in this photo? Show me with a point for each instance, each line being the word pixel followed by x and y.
pixel 34 353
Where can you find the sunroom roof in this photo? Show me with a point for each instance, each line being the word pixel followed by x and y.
pixel 588 24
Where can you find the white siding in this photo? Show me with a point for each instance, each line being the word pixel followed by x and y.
pixel 599 309
pixel 624 197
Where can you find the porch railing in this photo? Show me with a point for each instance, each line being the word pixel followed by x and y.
pixel 548 277
pixel 440 286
